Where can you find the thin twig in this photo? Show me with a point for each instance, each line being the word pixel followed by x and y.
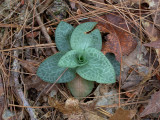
pixel 18 89
pixel 43 29
pixel 32 46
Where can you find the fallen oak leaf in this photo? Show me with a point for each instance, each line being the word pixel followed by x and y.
pixel 119 44
pixel 118 41
pixel 111 46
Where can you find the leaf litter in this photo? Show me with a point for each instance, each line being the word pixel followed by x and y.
pixel 153 105
pixel 121 114
pixel 119 40
pixel 135 45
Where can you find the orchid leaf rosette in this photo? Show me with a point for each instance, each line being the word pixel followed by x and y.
pixel 80 54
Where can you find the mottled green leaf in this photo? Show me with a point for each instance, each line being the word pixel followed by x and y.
pixel 69 60
pixel 96 39
pixel 98 68
pixel 73 59
pixel 114 62
pixel 82 38
pixel 62 36
pixel 49 70
pixel 80 87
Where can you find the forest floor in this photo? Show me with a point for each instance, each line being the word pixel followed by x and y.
pixel 130 30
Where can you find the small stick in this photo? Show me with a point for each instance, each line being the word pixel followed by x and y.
pixel 18 89
pixel 32 46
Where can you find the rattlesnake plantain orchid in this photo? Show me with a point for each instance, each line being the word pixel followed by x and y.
pixel 79 56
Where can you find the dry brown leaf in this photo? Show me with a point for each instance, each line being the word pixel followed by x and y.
pixel 118 41
pixel 30 65
pixel 123 114
pixel 72 103
pixel 153 33
pixel 71 106
pixel 111 99
pixel 154 5
pixel 30 35
pixel 136 56
pixel 73 111
pixel 155 44
pixel 34 82
pixel 128 82
pixel 153 105
pixel 79 11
